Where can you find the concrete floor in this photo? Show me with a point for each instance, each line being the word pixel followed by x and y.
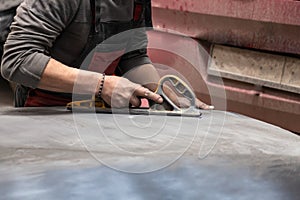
pixel 50 153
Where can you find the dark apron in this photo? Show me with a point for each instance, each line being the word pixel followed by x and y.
pixel 6 18
pixel 97 56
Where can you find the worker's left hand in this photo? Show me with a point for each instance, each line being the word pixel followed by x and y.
pixel 148 76
pixel 185 103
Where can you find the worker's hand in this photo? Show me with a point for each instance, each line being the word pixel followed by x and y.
pixel 183 102
pixel 119 92
pixel 148 76
pixel 199 104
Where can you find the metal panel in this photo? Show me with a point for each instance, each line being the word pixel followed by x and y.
pixel 248 66
pixel 273 106
pixel 291 76
pixel 258 68
pixel 43 157
pixel 267 25
pixel 275 11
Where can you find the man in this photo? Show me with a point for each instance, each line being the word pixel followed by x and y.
pixel 50 39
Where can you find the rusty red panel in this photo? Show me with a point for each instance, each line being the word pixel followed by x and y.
pixel 275 11
pixel 272 25
pixel 186 58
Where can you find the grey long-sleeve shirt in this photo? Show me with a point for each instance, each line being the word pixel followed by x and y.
pixel 53 28
pixel 7 4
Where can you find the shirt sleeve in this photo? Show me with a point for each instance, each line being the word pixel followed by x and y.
pixel 35 28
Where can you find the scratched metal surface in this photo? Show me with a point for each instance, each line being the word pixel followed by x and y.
pixel 44 155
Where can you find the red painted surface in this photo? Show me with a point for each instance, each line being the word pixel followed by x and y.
pixel 174 54
pixel 272 25
pixel 275 11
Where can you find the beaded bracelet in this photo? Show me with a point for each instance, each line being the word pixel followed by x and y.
pixel 98 95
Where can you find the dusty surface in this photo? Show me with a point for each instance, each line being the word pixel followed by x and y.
pixel 49 153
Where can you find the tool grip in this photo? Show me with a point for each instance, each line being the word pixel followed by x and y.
pixel 180 86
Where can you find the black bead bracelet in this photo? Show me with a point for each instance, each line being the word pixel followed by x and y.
pixel 99 93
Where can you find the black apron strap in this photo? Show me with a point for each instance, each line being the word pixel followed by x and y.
pixel 6 18
pixel 101 31
pixel 21 93
pixel 95 13
pixel 93 37
pixel 148 13
pixel 97 10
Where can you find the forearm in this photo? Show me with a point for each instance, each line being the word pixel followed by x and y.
pixel 145 75
pixel 33 33
pixel 58 77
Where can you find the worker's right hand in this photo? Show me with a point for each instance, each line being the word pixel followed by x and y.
pixel 119 92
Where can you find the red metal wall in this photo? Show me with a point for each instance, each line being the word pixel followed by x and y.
pixel 272 25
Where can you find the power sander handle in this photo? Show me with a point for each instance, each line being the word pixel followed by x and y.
pixel 181 87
